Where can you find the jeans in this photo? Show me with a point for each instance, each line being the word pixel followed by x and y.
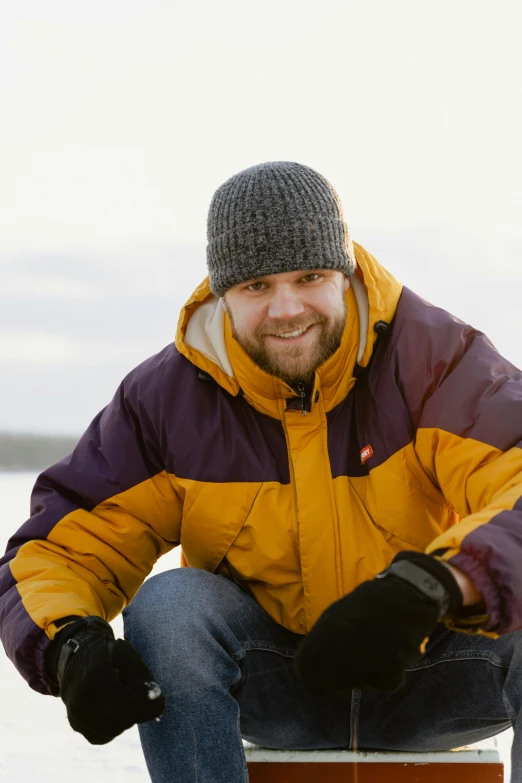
pixel 226 670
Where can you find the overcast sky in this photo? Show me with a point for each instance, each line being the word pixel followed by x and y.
pixel 119 119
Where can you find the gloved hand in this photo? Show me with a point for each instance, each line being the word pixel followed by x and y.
pixel 372 635
pixel 104 684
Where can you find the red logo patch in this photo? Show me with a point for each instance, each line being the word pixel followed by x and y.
pixel 366 453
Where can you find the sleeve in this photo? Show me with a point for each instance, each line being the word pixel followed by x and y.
pixel 469 441
pixel 100 518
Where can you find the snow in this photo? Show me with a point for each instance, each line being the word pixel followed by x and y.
pixel 38 743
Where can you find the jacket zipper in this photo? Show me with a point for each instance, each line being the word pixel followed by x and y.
pixel 294 484
pixel 301 390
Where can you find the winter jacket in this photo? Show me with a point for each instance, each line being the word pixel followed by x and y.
pixel 412 439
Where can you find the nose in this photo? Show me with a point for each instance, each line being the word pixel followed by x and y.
pixel 285 304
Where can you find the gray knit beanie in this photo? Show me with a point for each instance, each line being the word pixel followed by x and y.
pixel 275 217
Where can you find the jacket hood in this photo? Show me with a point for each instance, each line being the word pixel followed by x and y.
pixel 204 337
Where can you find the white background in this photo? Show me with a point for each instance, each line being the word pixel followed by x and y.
pixel 119 119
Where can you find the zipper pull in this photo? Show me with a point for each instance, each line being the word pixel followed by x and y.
pixel 301 390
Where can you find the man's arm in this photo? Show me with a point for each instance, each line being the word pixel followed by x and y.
pixel 465 405
pixel 469 442
pixel 100 519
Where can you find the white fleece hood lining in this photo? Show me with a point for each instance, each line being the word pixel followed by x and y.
pixel 206 333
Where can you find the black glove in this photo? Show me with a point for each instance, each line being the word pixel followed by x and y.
pixel 372 635
pixel 104 684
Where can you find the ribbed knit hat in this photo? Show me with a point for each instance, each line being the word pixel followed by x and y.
pixel 275 217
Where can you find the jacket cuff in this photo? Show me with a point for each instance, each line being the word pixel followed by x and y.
pixel 439 572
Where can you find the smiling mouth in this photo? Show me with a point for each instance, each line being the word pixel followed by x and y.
pixel 293 334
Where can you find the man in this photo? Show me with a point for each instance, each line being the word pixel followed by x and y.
pixel 341 463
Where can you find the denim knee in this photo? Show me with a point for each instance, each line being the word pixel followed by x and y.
pixel 187 602
pixel 179 623
pixel 179 595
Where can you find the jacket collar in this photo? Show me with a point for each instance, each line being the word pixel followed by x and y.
pixel 204 337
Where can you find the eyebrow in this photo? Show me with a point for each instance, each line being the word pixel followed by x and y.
pixel 299 272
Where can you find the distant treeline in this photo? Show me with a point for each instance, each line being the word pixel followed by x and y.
pixel 32 452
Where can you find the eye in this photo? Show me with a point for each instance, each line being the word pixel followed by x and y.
pixel 310 277
pixel 257 286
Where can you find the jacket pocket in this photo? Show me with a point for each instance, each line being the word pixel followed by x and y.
pixel 400 499
pixel 216 513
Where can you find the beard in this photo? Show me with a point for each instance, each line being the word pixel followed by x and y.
pixel 294 363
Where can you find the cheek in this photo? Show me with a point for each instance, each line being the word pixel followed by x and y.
pixel 246 322
pixel 337 304
pixel 330 307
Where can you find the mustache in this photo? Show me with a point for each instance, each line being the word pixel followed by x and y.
pixel 277 327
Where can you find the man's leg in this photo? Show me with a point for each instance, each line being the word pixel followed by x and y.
pixel 466 688
pixel 226 670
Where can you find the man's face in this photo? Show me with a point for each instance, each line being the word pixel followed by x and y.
pixel 289 323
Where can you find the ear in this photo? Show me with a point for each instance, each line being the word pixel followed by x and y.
pixel 346 283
